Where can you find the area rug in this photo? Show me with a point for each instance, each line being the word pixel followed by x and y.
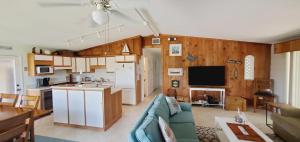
pixel 49 139
pixel 208 134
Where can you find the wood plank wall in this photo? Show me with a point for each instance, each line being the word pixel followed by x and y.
pixel 288 46
pixel 214 52
pixel 115 48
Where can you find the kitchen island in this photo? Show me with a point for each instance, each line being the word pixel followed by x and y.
pixel 86 105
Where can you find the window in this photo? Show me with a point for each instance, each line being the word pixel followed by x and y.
pixel 249 67
pixel 295 79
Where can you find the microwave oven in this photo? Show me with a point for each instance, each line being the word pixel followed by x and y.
pixel 44 69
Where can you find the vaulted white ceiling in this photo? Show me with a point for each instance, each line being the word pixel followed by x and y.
pixel 267 21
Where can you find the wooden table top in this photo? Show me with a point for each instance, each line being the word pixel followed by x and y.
pixel 278 105
pixel 8 112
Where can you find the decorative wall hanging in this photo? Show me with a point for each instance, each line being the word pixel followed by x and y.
pixel 175 49
pixel 235 71
pixel 175 71
pixel 249 67
pixel 156 41
pixel 175 83
pixel 191 58
pixel 125 49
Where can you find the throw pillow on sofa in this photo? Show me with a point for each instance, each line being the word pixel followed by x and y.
pixel 173 105
pixel 166 131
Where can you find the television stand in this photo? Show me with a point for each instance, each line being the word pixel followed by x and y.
pixel 211 89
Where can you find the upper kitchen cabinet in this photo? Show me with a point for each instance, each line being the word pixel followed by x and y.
pixel 101 61
pixel 80 64
pixel 125 58
pixel 67 61
pixel 111 64
pixel 34 61
pixel 58 61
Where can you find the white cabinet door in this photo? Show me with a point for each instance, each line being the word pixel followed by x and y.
pixel 88 65
pixel 101 60
pixel 43 57
pixel 73 64
pixel 80 65
pixel 120 58
pixel 94 61
pixel 94 108
pixel 110 64
pixel 60 106
pixel 76 107
pixel 67 61
pixel 128 96
pixel 58 60
pixel 130 58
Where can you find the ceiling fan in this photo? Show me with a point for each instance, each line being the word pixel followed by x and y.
pixel 103 9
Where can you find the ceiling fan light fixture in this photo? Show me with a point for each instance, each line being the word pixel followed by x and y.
pixel 100 17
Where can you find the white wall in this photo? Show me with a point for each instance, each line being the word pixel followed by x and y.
pixel 280 74
pixel 20 53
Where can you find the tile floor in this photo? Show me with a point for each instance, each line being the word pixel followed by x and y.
pixel 119 131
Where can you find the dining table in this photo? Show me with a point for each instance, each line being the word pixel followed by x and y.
pixel 7 112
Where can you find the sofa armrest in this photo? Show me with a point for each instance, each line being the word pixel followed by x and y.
pixel 185 106
pixel 290 112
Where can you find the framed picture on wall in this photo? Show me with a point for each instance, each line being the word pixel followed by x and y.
pixel 175 83
pixel 175 50
pixel 175 71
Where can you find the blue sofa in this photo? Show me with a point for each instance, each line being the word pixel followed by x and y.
pixel 147 128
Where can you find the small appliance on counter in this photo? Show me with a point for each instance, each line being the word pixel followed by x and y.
pixel 42 82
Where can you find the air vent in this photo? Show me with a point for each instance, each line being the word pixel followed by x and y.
pixel 3 47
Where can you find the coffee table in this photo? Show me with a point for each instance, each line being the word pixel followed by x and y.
pixel 225 134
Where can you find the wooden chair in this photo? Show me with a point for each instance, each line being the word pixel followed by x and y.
pixel 263 85
pixel 16 129
pixel 30 102
pixel 11 99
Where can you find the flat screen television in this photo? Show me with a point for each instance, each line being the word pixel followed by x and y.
pixel 206 76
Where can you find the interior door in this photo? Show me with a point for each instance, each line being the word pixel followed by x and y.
pixel 146 90
pixel 8 75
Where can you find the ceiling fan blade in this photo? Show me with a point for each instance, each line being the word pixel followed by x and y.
pixel 61 4
pixel 121 15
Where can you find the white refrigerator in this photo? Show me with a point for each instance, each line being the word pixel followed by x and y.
pixel 125 79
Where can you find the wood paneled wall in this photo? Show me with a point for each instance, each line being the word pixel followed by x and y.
pixel 288 46
pixel 115 48
pixel 214 52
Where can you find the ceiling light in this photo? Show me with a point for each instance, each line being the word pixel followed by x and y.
pixel 145 23
pixel 100 17
pixel 120 29
pixel 81 39
pixel 98 34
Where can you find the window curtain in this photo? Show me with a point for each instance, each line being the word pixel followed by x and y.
pixel 295 79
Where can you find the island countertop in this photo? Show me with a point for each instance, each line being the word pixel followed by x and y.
pixel 91 87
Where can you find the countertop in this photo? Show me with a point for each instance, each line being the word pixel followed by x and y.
pixel 81 87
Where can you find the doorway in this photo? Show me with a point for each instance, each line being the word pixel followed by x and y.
pixel 8 75
pixel 152 73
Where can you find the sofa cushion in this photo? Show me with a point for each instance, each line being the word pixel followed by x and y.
pixel 182 117
pixel 149 131
pixel 166 131
pixel 184 130
pixel 162 100
pixel 185 107
pixel 173 105
pixel 159 109
pixel 187 140
pixel 290 124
